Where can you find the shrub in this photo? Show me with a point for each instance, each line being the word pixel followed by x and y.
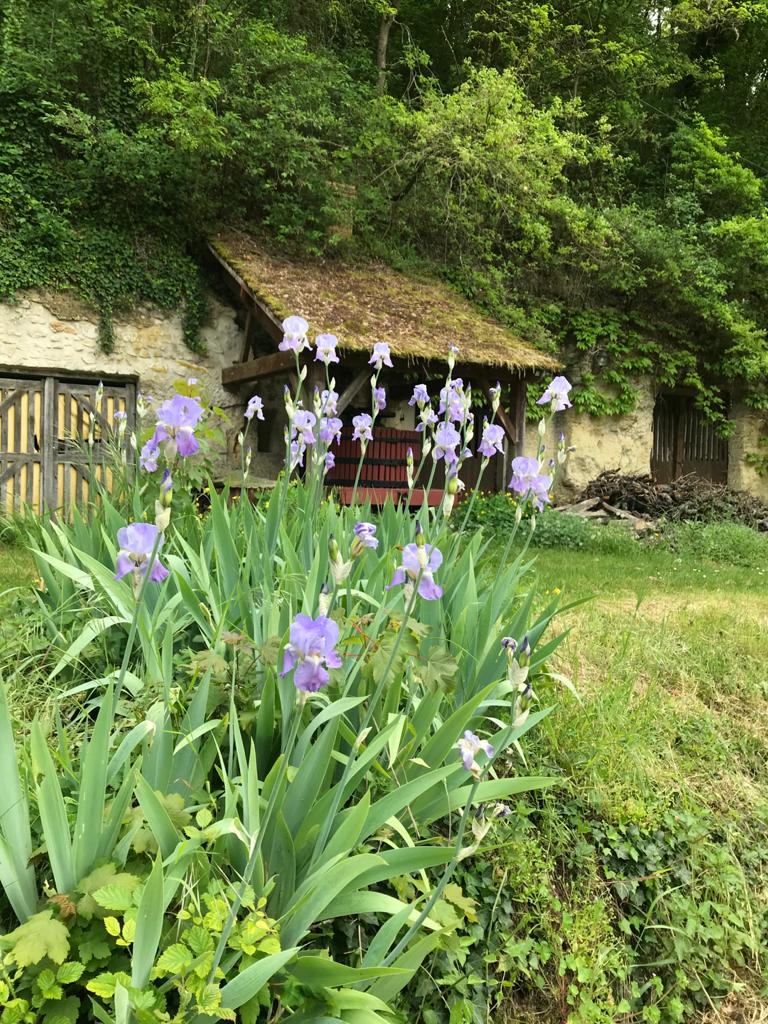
pixel 495 513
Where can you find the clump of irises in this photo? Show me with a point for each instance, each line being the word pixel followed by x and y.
pixel 448 430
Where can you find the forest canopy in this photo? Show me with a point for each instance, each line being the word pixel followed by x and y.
pixel 592 173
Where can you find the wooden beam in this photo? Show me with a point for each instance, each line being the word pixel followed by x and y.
pixel 518 414
pixel 349 393
pixel 245 350
pixel 510 428
pixel 263 316
pixel 264 366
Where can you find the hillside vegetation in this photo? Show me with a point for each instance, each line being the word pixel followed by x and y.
pixel 591 173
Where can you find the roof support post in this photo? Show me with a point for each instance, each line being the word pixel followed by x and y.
pixel 507 422
pixel 352 390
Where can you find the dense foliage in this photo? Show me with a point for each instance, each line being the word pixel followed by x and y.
pixel 592 173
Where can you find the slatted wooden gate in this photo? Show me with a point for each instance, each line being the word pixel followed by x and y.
pixel 45 458
pixel 684 441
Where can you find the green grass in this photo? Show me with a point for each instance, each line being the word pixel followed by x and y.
pixel 669 653
pixel 17 572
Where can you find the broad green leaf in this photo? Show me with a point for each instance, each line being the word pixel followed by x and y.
pixel 42 935
pixel 322 972
pixel 70 972
pixel 351 824
pixel 82 579
pixel 176 959
pixel 149 926
pixel 89 632
pixel 92 792
pixel 157 817
pixel 397 799
pixel 409 961
pixel 53 812
pixel 129 743
pixel 253 979
pixel 314 895
pixel 201 730
pixel 17 876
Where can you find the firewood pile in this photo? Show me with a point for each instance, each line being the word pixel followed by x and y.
pixel 639 502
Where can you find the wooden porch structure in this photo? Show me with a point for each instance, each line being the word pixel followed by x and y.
pixel 419 318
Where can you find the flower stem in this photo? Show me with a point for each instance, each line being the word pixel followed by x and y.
pixel 376 697
pixel 234 910
pixel 437 892
pixel 135 618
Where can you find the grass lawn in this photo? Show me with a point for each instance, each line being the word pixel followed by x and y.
pixel 670 658
pixel 16 571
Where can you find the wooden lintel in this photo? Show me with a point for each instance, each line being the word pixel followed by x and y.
pixel 349 392
pixel 264 366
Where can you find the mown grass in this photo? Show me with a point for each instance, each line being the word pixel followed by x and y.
pixel 669 654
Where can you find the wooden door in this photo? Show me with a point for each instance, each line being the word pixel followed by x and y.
pixel 57 438
pixel 21 443
pixel 684 441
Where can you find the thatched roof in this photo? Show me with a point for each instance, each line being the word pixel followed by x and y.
pixel 418 316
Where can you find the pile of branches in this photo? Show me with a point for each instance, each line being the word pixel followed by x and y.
pixel 689 498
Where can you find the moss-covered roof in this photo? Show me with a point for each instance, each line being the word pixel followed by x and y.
pixel 418 316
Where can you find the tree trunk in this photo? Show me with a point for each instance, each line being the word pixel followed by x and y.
pixel 381 49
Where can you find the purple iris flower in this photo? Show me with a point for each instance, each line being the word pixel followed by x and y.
pixel 328 400
pixel 176 421
pixel 137 541
pixel 381 355
pixel 453 401
pixel 492 441
pixel 446 439
pixel 330 461
pixel 556 394
pixel 365 534
pixel 380 399
pixel 294 334
pixel 424 559
pixel 303 422
pixel 149 454
pixel 326 348
pixel 470 745
pixel 311 652
pixel 420 395
pixel 255 408
pixel 119 416
pixel 297 452
pixel 330 428
pixel 363 431
pixel 428 417
pixel 527 478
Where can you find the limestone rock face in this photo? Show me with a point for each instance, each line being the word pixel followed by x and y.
pixel 749 430
pixel 50 333
pixel 606 442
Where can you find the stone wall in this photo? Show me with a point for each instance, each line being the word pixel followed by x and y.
pixel 749 427
pixel 53 332
pixel 625 442
pixel 607 442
